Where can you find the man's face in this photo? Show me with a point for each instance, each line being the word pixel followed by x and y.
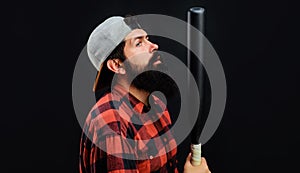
pixel 142 62
pixel 139 50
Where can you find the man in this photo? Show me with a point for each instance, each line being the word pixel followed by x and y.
pixel 128 130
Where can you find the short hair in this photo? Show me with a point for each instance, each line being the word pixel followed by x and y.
pixel 106 75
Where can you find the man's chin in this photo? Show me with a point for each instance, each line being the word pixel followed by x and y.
pixel 154 81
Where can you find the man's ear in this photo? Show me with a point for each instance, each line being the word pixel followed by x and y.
pixel 116 66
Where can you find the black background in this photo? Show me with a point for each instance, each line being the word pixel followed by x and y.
pixel 257 42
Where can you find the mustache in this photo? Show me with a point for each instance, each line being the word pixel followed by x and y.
pixel 156 56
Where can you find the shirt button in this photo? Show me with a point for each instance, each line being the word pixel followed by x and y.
pixel 165 139
pixel 151 157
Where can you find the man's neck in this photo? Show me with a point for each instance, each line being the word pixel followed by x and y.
pixel 141 95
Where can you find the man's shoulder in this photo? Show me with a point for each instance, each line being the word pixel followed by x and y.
pixel 106 109
pixel 104 117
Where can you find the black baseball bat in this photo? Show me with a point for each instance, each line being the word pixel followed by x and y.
pixel 196 18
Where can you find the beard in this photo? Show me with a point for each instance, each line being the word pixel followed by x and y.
pixel 152 77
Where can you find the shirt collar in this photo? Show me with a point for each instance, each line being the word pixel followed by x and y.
pixel 122 93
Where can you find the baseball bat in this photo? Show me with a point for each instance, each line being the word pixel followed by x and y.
pixel 196 17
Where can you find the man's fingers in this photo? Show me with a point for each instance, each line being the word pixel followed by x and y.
pixel 204 163
pixel 203 167
pixel 188 160
pixel 189 157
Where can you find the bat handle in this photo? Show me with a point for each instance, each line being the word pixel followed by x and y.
pixel 196 154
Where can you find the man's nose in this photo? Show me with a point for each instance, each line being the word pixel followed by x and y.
pixel 152 47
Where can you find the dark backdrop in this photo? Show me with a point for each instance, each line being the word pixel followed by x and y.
pixel 257 42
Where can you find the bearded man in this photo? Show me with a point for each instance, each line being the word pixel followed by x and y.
pixel 128 129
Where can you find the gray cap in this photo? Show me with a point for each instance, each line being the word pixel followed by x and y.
pixel 105 38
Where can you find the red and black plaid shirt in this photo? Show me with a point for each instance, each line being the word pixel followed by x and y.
pixel 104 143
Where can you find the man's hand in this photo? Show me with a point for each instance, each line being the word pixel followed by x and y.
pixel 189 168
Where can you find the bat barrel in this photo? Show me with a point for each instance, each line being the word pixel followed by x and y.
pixel 196 18
pixel 195 41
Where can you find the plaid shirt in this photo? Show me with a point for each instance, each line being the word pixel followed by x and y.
pixel 105 147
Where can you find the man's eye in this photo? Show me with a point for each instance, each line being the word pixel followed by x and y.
pixel 138 44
